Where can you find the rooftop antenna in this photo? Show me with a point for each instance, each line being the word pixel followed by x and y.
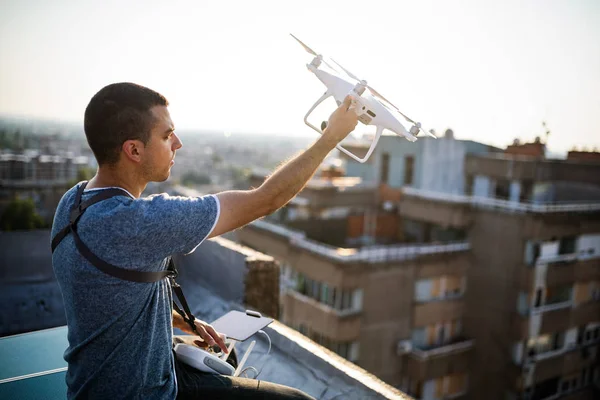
pixel 546 130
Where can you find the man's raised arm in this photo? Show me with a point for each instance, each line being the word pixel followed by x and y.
pixel 241 207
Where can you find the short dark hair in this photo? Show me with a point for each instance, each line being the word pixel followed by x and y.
pixel 119 112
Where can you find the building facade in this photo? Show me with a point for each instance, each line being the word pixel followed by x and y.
pixel 534 283
pixel 42 178
pixel 427 164
pixel 513 312
pixel 395 310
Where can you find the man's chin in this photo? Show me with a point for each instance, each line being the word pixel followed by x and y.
pixel 161 178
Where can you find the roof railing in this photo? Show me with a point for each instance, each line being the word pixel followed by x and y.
pixel 371 254
pixel 504 205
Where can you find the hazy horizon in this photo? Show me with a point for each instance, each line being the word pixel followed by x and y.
pixel 491 71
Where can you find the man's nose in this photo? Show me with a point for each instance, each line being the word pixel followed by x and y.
pixel 177 144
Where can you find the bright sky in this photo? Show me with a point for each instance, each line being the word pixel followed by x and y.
pixel 490 70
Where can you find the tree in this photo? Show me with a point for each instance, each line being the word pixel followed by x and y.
pixel 83 174
pixel 191 178
pixel 21 215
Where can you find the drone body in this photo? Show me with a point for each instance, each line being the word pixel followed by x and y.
pixel 371 108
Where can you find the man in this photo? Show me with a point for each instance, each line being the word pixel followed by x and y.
pixel 121 332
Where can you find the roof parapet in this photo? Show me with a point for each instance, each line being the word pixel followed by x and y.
pixel 372 254
pixel 503 205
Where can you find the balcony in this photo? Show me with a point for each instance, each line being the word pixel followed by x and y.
pixel 434 208
pixel 458 345
pixel 585 313
pixel 433 362
pixel 562 361
pixel 260 235
pixel 340 325
pixel 568 268
pixel 555 317
pixel 320 193
pixel 580 358
pixel 561 270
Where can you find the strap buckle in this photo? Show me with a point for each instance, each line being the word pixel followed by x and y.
pixel 173 273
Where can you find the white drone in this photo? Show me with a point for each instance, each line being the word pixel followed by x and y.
pixel 370 106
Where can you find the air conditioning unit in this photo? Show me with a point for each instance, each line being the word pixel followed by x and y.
pixel 404 347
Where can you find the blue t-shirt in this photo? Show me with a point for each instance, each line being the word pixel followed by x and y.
pixel 120 333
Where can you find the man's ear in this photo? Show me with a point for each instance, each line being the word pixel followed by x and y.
pixel 133 150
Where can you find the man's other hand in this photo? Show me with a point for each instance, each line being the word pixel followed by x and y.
pixel 209 336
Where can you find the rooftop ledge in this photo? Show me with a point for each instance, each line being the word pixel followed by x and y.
pixel 503 205
pixel 371 254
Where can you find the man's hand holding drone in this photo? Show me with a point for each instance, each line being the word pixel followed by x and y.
pixel 341 122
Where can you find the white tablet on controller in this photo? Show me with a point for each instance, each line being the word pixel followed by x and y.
pixel 240 325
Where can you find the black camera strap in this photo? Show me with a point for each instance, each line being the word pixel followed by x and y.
pixel 171 273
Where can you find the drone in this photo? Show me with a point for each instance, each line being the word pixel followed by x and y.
pixel 370 106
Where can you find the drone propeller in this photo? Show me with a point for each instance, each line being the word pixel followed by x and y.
pixel 311 51
pixel 308 49
pixel 373 91
pixel 350 74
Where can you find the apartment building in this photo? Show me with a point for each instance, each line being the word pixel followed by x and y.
pixel 519 302
pixel 396 310
pixel 533 304
pixel 427 164
pixel 43 178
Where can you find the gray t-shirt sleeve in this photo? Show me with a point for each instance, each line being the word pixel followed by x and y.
pixel 167 225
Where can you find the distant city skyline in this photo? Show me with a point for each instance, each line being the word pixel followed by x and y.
pixel 492 71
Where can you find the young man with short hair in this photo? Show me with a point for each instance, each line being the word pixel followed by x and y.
pixel 120 331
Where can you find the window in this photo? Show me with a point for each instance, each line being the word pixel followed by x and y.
pixel 346 299
pixel 546 388
pixel 523 303
pixel 545 343
pixel 559 295
pixel 532 252
pixel 333 297
pixel 469 185
pixel 538 298
pixel 357 296
pixel 419 337
pixel 567 245
pixel 324 294
pixel 502 189
pixel 385 168
pixel 441 335
pixel 423 290
pixel 409 162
